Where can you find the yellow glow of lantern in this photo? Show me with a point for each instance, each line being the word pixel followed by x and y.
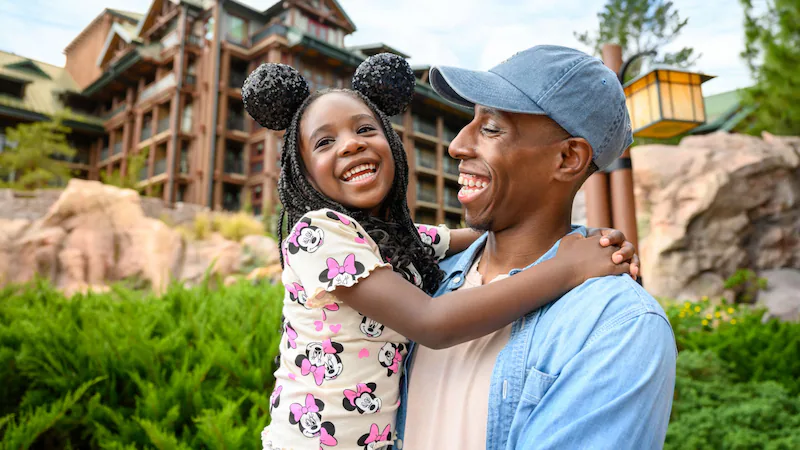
pixel 665 102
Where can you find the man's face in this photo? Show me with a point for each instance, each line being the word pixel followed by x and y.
pixel 507 165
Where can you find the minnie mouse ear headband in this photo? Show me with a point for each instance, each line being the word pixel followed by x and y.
pixel 273 93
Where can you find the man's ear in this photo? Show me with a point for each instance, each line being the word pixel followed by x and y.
pixel 576 155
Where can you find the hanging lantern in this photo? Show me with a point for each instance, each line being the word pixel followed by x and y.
pixel 665 102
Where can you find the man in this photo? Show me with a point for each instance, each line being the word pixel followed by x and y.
pixel 594 369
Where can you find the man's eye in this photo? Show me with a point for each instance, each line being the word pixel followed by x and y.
pixel 490 130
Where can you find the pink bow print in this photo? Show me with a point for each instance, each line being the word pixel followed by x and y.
pixel 295 289
pixel 275 394
pixel 327 347
pixel 291 335
pixel 298 410
pixel 343 218
pixel 396 360
pixel 351 396
pixel 432 232
pixel 375 437
pixel 318 371
pixel 296 234
pixel 335 269
pixel 327 439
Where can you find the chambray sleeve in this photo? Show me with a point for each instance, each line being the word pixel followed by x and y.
pixel 436 237
pixel 615 393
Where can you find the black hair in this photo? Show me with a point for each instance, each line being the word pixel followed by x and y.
pixel 393 229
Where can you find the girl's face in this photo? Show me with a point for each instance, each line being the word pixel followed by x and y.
pixel 345 152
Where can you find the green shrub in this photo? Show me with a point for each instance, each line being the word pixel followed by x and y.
pixel 712 411
pixel 754 350
pixel 192 369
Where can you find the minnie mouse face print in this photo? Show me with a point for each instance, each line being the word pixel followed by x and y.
pixel 370 328
pixel 362 399
pixel 391 357
pixel 308 417
pixel 305 237
pixel 343 274
pixel 321 361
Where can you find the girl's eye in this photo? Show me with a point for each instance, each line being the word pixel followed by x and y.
pixel 323 142
pixel 365 129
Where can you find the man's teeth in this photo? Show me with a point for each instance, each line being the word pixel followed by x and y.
pixel 469 181
pixel 348 176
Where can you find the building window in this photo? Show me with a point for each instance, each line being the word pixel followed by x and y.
pixel 186 119
pixel 237 30
pixel 317 30
pixel 12 88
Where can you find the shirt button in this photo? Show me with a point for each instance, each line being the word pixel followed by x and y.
pixel 399 444
pixel 456 280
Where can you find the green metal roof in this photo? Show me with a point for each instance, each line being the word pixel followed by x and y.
pixel 44 85
pixel 723 112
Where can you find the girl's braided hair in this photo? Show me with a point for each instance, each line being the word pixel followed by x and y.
pixel 276 96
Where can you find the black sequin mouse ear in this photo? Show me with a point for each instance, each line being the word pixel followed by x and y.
pixel 272 94
pixel 387 80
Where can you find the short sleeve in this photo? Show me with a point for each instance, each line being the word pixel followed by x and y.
pixel 326 249
pixel 436 237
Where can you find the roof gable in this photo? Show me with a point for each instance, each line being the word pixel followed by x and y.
pixel 28 66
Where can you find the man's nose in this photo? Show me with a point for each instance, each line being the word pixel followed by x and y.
pixel 463 145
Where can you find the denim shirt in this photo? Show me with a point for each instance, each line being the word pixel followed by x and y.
pixel 594 369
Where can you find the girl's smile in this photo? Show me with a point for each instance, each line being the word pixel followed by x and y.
pixel 345 152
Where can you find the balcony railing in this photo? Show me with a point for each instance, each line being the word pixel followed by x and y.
pixel 275 28
pixel 160 167
pixel 157 87
pixel 194 40
pixel 425 158
pixel 235 166
pixel 117 148
pixel 113 112
pixel 80 157
pixel 236 122
pixel 450 165
pixel 147 131
pixel 163 124
pixel 191 79
pixel 104 154
pixel 422 126
pixel 397 120
pixel 170 40
pixel 237 80
pixel 256 168
pixel 183 166
pixel 231 201
pixel 143 173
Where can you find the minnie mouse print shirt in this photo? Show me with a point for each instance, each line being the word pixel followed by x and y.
pixel 338 382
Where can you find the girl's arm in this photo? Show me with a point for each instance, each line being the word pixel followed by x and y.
pixel 467 314
pixel 461 239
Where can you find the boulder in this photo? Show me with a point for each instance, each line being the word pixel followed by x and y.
pixel 715 204
pixel 782 295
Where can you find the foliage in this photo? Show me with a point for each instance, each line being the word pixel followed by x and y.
pixel 755 351
pixel 713 411
pixel 129 179
pixel 772 31
pixel 745 284
pixel 639 26
pixel 192 369
pixel 231 226
pixel 36 159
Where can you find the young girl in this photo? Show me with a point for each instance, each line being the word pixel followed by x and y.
pixel 356 270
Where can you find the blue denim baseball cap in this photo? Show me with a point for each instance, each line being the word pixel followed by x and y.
pixel 574 89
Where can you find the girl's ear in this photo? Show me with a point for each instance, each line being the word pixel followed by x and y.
pixel 273 93
pixel 387 80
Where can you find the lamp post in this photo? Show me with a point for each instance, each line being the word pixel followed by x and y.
pixel 662 103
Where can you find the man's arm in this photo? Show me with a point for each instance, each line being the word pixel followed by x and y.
pixel 615 393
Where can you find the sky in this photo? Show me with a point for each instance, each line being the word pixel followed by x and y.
pixel 475 34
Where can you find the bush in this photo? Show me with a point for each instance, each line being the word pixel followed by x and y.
pixel 712 411
pixel 190 370
pixel 231 226
pixel 755 351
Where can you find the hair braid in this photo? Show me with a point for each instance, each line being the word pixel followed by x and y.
pixel 394 231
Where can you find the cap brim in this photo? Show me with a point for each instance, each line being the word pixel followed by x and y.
pixel 469 88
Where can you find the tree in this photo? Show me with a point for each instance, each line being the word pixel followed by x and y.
pixel 31 157
pixel 130 179
pixel 639 26
pixel 772 52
